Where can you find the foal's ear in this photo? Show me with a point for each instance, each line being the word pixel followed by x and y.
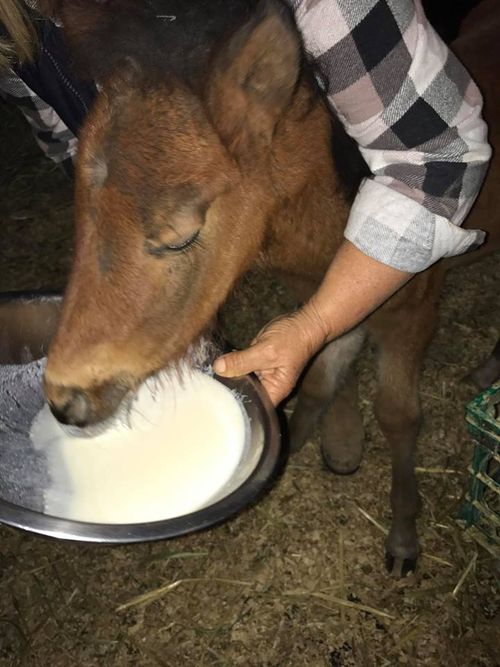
pixel 97 52
pixel 254 77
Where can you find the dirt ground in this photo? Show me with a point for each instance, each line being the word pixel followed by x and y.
pixel 298 579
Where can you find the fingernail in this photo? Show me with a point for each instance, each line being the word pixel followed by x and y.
pixel 219 365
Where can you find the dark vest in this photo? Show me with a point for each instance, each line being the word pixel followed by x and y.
pixel 51 77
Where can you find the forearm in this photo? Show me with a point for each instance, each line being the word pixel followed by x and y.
pixel 353 287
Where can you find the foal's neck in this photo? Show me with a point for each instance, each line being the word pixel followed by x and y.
pixel 307 226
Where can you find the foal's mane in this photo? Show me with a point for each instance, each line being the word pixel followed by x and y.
pixel 160 37
pixel 176 38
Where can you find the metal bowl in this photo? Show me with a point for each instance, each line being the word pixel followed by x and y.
pixel 27 324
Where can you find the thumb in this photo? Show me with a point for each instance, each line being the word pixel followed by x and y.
pixel 239 363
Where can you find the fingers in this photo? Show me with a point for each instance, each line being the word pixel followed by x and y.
pixel 277 356
pixel 276 384
pixel 275 393
pixel 255 358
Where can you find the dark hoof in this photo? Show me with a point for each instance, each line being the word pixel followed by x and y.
pixel 342 439
pixel 338 466
pixel 342 458
pixel 484 376
pixel 399 567
pixel 301 426
pixel 488 372
pixel 297 441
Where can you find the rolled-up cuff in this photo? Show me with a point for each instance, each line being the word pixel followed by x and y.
pixel 398 231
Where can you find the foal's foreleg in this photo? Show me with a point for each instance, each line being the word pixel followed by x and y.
pixel 326 376
pixel 342 433
pixel 402 347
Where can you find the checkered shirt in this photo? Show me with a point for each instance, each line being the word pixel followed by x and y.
pixel 54 138
pixel 50 132
pixel 416 115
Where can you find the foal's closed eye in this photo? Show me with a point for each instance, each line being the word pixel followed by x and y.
pixel 161 249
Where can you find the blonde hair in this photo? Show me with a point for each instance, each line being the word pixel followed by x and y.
pixel 22 37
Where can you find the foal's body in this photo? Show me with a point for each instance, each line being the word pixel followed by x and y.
pixel 224 174
pixel 402 330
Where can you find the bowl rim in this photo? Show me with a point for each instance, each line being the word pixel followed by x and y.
pixel 268 468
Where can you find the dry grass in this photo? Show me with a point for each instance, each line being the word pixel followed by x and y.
pixel 295 581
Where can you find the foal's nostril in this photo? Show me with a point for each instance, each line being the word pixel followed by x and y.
pixel 73 409
pixel 59 414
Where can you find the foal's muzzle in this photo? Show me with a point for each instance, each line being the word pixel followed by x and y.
pixel 74 406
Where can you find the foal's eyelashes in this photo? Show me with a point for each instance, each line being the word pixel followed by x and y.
pixel 160 250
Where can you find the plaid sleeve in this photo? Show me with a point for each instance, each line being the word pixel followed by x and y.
pixel 54 138
pixel 416 115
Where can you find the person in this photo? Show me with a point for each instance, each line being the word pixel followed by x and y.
pixel 36 77
pixel 416 116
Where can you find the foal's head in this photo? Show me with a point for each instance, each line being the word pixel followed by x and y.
pixel 174 182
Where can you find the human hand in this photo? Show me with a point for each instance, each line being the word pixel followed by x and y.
pixel 354 285
pixel 278 353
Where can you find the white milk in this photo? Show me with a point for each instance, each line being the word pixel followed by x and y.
pixel 182 443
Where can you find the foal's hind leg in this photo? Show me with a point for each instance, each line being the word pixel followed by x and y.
pixel 402 342
pixel 325 377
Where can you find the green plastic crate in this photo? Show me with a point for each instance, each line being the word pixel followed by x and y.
pixel 481 510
